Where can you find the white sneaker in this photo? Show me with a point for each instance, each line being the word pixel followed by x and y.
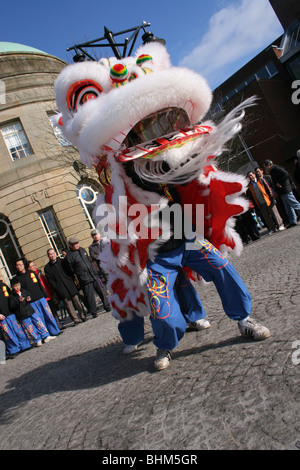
pixel 199 324
pixel 130 348
pixel 163 358
pixel 49 338
pixel 251 329
pixel 39 344
pixel 282 227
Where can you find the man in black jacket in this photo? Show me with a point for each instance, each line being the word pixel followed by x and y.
pixel 95 250
pixel 87 276
pixel 283 183
pixel 61 279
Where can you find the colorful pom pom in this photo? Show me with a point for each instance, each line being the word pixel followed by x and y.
pixel 142 59
pixel 118 73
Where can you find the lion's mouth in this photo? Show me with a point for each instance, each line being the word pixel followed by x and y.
pixel 159 124
pixel 159 132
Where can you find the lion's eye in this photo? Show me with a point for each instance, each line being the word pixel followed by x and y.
pixel 81 92
pixel 132 76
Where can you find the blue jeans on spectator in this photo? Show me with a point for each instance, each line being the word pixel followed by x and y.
pixel 291 206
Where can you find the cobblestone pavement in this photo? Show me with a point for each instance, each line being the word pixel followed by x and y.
pixel 221 391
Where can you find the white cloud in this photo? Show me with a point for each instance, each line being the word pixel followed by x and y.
pixel 233 33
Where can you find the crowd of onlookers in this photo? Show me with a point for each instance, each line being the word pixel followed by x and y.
pixel 30 305
pixel 274 201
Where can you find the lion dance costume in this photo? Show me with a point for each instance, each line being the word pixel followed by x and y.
pixel 136 120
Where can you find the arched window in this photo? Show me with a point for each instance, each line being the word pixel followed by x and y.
pixel 9 249
pixel 87 195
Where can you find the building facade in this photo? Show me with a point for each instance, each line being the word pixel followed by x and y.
pixel 272 127
pixel 46 194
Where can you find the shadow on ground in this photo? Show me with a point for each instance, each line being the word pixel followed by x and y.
pixel 91 369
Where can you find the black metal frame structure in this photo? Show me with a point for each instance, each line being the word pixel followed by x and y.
pixel 82 54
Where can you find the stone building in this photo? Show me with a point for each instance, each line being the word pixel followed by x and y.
pixel 46 194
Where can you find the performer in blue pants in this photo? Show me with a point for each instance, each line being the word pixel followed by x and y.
pixel 168 323
pixel 41 306
pixel 35 327
pixel 13 335
pixel 11 331
pixel 32 284
pixel 31 320
pixel 174 303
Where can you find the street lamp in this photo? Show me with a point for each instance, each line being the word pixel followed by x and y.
pixel 149 37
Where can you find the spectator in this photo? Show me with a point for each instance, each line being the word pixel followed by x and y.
pixel 51 296
pixel 247 226
pixel 274 211
pixel 297 168
pixel 32 284
pixel 260 194
pixel 11 331
pixel 94 250
pixel 61 279
pixel 283 183
pixel 33 323
pixel 87 276
pixel 64 252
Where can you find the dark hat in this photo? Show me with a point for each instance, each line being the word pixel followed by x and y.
pixel 73 240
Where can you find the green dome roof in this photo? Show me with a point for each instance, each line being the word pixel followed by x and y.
pixel 14 47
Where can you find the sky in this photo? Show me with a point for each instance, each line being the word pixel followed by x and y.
pixel 213 37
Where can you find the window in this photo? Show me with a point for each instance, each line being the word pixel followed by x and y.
pixel 272 70
pixel 268 71
pixel 293 66
pixel 53 229
pixel 87 195
pixel 16 140
pixel 9 249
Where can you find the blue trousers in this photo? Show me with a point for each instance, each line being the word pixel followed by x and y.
pixel 13 335
pixel 168 322
pixel 132 332
pixel 291 206
pixel 35 327
pixel 41 307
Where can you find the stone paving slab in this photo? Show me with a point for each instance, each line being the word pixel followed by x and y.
pixel 221 391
